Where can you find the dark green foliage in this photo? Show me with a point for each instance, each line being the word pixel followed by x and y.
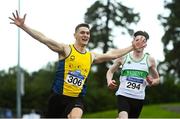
pixel 168 91
pixel 8 82
pixel 171 38
pixel 37 89
pixel 98 97
pixel 104 16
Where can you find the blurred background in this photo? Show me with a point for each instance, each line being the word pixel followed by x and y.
pixel 28 68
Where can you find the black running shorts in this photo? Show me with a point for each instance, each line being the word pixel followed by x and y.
pixel 132 106
pixel 59 106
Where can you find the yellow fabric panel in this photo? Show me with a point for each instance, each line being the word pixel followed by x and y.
pixel 77 67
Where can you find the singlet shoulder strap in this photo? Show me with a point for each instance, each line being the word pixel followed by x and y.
pixel 147 55
pixel 126 57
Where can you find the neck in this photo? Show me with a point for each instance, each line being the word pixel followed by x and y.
pixel 137 55
pixel 80 48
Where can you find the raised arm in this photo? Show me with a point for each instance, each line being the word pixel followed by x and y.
pixel 116 53
pixel 53 45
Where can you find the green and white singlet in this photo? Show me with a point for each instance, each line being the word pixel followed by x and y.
pixel 133 77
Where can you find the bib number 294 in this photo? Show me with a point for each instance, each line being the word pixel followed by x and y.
pixel 133 85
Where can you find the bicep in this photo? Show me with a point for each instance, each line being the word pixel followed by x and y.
pixel 97 58
pixel 55 46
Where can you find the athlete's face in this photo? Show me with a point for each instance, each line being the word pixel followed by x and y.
pixel 140 37
pixel 82 35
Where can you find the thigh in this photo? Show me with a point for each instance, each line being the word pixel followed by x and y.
pixel 76 105
pixel 136 107
pixel 55 107
pixel 122 104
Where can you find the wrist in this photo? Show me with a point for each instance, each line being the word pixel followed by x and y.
pixel 108 81
pixel 133 46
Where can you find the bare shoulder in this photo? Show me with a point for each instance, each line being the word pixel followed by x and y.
pixel 66 49
pixel 94 56
pixel 98 58
pixel 151 61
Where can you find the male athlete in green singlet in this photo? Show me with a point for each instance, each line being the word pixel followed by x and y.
pixel 138 71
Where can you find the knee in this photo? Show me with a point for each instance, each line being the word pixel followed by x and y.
pixel 123 115
pixel 76 113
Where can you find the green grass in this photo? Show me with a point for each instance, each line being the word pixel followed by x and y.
pixel 148 111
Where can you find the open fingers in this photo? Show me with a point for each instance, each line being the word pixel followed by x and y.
pixel 17 15
pixel 11 18
pixel 24 16
pixel 14 15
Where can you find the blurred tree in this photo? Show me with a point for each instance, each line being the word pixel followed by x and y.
pixel 171 38
pixel 38 87
pixel 165 92
pixel 8 88
pixel 104 16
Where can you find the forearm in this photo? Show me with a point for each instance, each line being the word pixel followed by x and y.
pixel 155 77
pixel 121 52
pixel 111 55
pixel 103 57
pixel 109 76
pixel 35 34
pixel 53 45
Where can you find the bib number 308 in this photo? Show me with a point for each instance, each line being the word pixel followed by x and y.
pixel 74 80
pixel 133 85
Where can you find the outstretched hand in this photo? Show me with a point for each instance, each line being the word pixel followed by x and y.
pixel 139 43
pixel 17 20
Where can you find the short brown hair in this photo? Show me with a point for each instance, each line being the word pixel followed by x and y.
pixel 81 25
pixel 143 33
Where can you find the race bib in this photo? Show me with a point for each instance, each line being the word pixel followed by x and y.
pixel 75 79
pixel 134 84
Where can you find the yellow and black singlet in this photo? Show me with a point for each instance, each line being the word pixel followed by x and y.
pixel 72 73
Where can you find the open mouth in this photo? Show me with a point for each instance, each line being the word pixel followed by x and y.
pixel 85 39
